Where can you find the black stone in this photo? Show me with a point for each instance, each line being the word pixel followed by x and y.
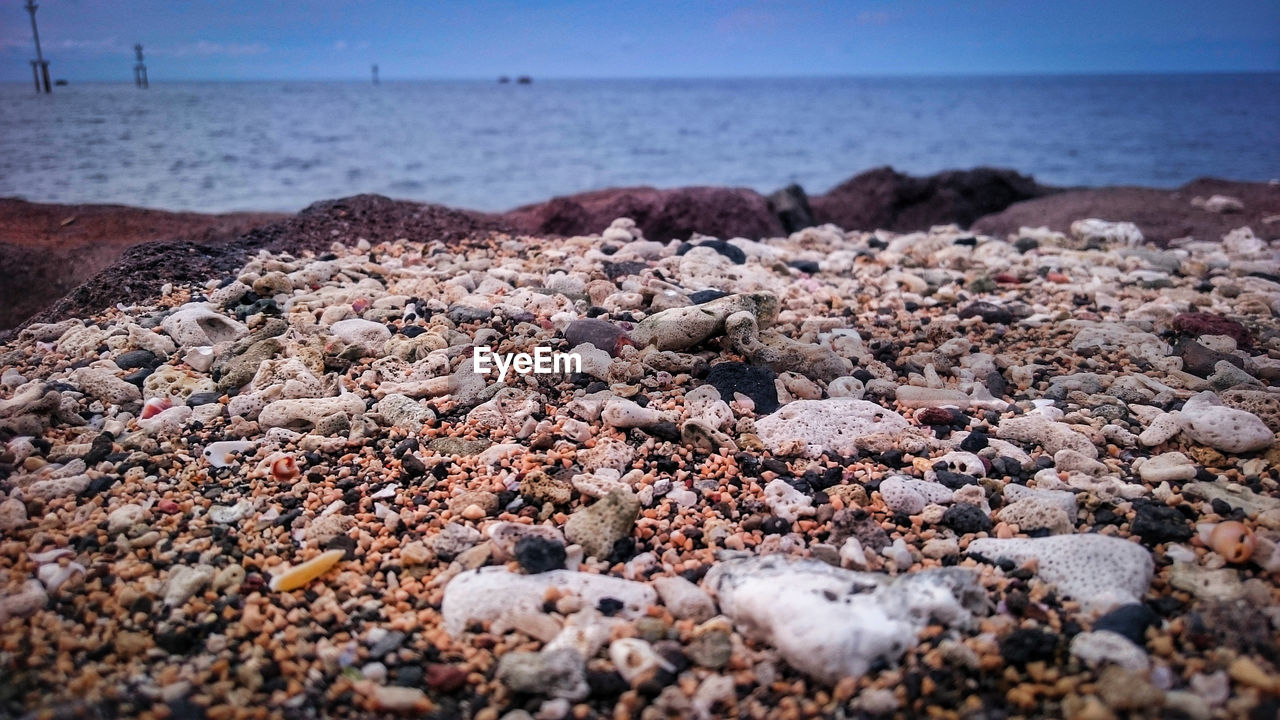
pixel 665 430
pixel 702 296
pixel 606 683
pixel 791 205
pixel 538 554
pixel 955 480
pixel 463 314
pixel 615 270
pixel 185 708
pixel 990 313
pixel 1026 244
pixel 135 359
pixel 809 267
pixel 756 383
pixel 610 606
pixel 202 398
pixel 732 252
pixel 965 518
pixel 412 330
pixel 408 676
pixel 99 485
pixel 774 525
pixel 1130 621
pixel 1200 360
pixel 99 449
pixel 1026 645
pixel 179 642
pixel 138 376
pixel 975 441
pixel 1157 524
pixel 412 466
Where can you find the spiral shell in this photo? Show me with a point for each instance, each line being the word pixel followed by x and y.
pixel 1233 541
pixel 154 407
pixel 285 468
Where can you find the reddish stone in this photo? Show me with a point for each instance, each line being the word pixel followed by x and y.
pixel 445 678
pixel 1161 215
pixel 1007 279
pixel 168 506
pixel 1197 324
pixel 661 215
pixel 1057 277
pixel 886 199
pixel 934 416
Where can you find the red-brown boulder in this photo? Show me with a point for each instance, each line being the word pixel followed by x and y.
pixel 886 199
pixel 661 214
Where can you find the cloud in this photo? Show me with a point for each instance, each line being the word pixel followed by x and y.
pixel 98 45
pixel 206 48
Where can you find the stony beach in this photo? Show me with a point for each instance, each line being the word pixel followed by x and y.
pixel 835 473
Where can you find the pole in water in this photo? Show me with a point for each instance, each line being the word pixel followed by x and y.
pixel 39 66
pixel 375 73
pixel 140 69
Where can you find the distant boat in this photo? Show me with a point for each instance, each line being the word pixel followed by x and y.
pixel 504 79
pixel 524 80
pixel 60 83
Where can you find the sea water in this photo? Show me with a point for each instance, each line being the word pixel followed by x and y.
pixel 489 146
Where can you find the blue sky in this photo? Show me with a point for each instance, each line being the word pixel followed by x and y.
pixel 91 40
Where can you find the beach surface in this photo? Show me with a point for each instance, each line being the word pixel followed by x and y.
pixel 918 468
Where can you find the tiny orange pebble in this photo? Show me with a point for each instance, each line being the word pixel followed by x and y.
pixel 299 575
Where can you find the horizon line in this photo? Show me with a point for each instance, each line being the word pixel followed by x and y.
pixel 626 78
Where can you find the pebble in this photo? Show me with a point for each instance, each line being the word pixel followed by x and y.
pixel 1206 420
pixel 828 622
pixel 598 526
pixel 684 599
pixel 809 427
pixel 1103 646
pixel 1099 571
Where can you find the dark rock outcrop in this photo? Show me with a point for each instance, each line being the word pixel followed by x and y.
pixel 661 214
pixel 886 199
pixel 791 206
pixel 143 269
pixel 1162 215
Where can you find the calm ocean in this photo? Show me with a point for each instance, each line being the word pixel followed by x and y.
pixel 482 145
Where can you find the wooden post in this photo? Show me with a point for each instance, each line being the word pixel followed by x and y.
pixel 140 69
pixel 375 73
pixel 43 65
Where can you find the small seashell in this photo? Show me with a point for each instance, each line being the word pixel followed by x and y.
pixel 299 575
pixel 284 469
pixel 1233 541
pixel 154 407
pixel 636 660
pixel 49 556
pixel 222 454
pixel 54 576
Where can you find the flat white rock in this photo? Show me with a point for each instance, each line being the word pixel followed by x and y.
pixel 834 425
pixel 1100 571
pixel 491 593
pixel 831 623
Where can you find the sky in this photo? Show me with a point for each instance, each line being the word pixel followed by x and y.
pixel 92 40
